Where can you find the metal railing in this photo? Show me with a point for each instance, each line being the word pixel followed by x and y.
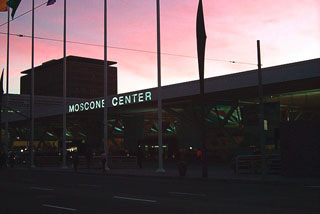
pixel 94 162
pixel 251 164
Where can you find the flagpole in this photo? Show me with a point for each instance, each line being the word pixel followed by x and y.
pixel 105 110
pixel 261 114
pixel 32 94
pixel 1 102
pixel 7 86
pixel 160 169
pixel 201 45
pixel 64 149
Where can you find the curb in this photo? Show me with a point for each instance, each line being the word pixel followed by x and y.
pixel 164 176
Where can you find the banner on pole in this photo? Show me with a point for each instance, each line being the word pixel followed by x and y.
pixel 201 40
pixel 14 4
pixel 51 2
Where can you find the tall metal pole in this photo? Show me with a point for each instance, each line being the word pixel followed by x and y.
pixel 203 133
pixel 261 115
pixel 201 46
pixel 32 94
pixel 1 104
pixel 160 169
pixel 7 87
pixel 105 110
pixel 64 80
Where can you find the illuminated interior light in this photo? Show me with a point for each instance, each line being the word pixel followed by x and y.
pixel 118 129
pixel 50 134
pixel 80 133
pixel 68 133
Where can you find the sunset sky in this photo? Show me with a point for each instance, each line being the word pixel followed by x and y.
pixel 289 31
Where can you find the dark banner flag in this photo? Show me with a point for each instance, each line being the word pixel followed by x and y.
pixel 50 2
pixel 201 41
pixel 14 4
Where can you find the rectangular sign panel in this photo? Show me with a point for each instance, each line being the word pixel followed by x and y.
pixel 115 101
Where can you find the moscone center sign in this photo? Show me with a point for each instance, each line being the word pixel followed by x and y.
pixel 115 101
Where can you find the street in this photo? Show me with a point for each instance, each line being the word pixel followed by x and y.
pixel 25 191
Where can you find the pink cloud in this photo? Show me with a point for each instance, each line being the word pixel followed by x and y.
pixel 288 30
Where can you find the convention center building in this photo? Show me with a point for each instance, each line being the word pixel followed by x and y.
pixel 291 94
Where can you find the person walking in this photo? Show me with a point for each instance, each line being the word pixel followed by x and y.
pixel 199 153
pixel 103 161
pixel 11 159
pixel 139 156
pixel 2 160
pixel 89 158
pixel 75 159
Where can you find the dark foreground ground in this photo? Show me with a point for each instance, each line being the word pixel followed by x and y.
pixel 24 191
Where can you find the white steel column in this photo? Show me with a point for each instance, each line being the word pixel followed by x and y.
pixel 160 169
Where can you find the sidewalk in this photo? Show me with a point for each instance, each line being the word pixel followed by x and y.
pixel 194 172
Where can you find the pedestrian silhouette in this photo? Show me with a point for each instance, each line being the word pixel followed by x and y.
pixel 103 161
pixel 2 159
pixel 89 158
pixel 139 156
pixel 11 159
pixel 75 159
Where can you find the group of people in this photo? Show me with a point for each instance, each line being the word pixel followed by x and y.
pixel 75 160
pixel 7 160
pixel 3 160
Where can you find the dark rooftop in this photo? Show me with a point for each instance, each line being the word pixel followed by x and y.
pixel 70 58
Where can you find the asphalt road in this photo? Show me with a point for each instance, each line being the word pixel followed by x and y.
pixel 51 192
